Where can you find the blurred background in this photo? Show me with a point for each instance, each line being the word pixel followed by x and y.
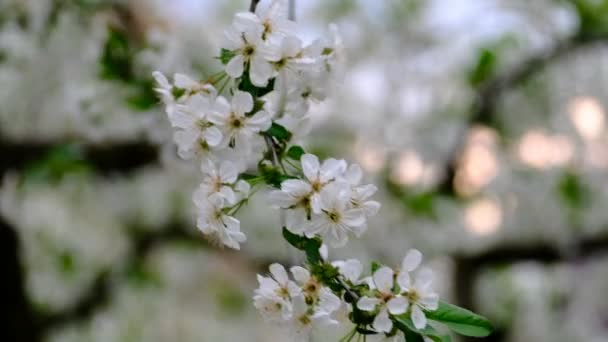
pixel 482 122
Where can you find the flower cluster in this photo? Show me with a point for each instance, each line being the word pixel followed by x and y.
pixel 328 201
pixel 296 305
pixel 241 126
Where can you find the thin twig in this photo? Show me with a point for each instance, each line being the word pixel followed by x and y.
pixel 253 5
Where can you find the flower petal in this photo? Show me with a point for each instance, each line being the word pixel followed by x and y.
pixel 412 260
pixel 310 166
pixel 300 274
pixel 235 66
pixel 242 102
pixel 418 317
pixel 367 303
pixel 397 305
pixel 383 278
pixel 279 273
pixel 382 323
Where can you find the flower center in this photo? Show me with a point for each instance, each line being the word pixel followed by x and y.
pixel 236 122
pixel 248 51
pixel 413 296
pixel 385 297
pixel 304 319
pixel 316 186
pixel 334 216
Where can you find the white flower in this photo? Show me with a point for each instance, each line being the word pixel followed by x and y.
pixel 336 219
pixel 219 180
pixel 418 292
pixel 361 193
pixel 350 269
pixel 294 196
pixel 195 135
pixel 239 129
pixel 245 40
pixel 272 20
pixel 306 316
pixel 290 62
pixel 215 223
pixel 164 88
pixel 320 175
pixel 273 297
pixel 385 299
pixel 192 87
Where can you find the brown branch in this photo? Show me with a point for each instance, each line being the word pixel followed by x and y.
pixel 101 291
pixel 253 5
pixel 488 95
pixel 104 158
pixel 21 323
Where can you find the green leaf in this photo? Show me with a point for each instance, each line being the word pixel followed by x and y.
pixel 404 322
pixel 116 58
pixel 225 56
pixel 272 175
pixel 461 320
pixel 295 152
pixel 484 68
pixel 309 246
pixel 279 132
pixel 375 266
pixel 246 85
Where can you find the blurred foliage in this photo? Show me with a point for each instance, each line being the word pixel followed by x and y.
pixel 574 194
pixel 117 64
pixel 593 16
pixel 60 162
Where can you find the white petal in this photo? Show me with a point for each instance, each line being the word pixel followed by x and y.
pixel 332 168
pixel 382 323
pixel 235 66
pixel 228 172
pixel 412 260
pixel 295 187
pixel 279 274
pixel 221 107
pixel 300 274
pixel 213 136
pixel 430 301
pixel 184 81
pixel 418 317
pixel 260 121
pixel 242 102
pixel 353 217
pixel 383 278
pixel 404 281
pixel 351 269
pixel 367 303
pixel 310 166
pixel 323 251
pixel 354 174
pixel 328 301
pixel 397 305
pixel 424 278
pixel 371 208
pixel 260 71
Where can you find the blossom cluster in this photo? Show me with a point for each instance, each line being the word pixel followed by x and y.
pixel 241 126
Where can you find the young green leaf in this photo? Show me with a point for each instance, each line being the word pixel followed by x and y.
pixel 279 132
pixel 404 322
pixel 461 320
pixel 225 56
pixel 295 152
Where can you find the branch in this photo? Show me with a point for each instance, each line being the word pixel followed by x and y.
pixel 253 5
pixel 104 158
pixel 488 95
pixel 21 325
pixel 102 290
